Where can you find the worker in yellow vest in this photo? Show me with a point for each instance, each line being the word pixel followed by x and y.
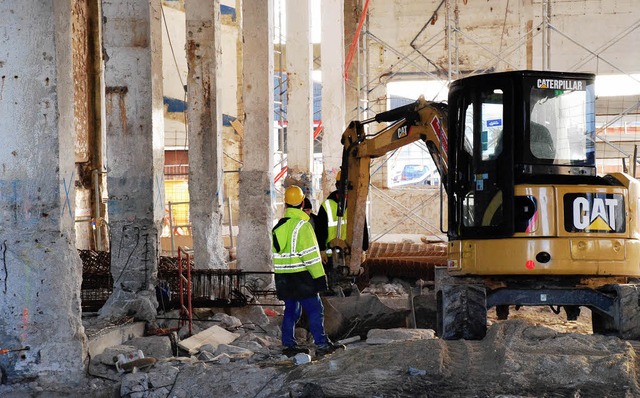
pixel 326 226
pixel 299 275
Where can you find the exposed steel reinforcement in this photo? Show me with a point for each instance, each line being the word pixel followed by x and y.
pixel 405 260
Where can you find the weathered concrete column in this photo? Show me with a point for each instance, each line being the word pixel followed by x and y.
pixel 333 91
pixel 300 95
pixel 204 50
pixel 135 152
pixel 352 12
pixel 40 270
pixel 256 177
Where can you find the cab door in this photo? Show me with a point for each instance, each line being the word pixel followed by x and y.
pixel 481 182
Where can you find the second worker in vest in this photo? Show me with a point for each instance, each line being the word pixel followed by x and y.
pixel 326 227
pixel 299 275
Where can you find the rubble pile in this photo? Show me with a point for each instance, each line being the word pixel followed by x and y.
pixel 238 354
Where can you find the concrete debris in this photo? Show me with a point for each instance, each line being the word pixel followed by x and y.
pixel 251 314
pixel 206 356
pixel 110 355
pixel 515 359
pixel 153 346
pixel 163 374
pixel 386 289
pixel 357 315
pixel 230 323
pixel 387 336
pixel 134 385
pixel 222 359
pixel 215 335
pixel 234 352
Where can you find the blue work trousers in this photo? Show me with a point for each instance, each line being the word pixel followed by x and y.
pixel 312 306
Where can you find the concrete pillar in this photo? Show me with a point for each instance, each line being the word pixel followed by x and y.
pixel 352 12
pixel 300 95
pixel 204 51
pixel 333 90
pixel 40 270
pixel 256 177
pixel 135 152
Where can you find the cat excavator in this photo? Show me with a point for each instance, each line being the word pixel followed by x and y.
pixel 529 221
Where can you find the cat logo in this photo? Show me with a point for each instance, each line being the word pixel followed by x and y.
pixel 402 132
pixel 594 212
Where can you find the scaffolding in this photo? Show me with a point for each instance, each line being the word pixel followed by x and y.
pixel 613 141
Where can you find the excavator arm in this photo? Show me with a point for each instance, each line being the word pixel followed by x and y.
pixel 422 120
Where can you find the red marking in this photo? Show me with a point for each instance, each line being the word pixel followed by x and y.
pixel 280 174
pixel 530 264
pixel 317 131
pixel 437 127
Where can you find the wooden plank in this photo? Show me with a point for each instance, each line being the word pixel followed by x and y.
pixel 215 336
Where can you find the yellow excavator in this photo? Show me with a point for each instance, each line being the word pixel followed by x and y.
pixel 529 222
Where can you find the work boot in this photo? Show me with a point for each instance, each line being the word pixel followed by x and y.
pixel 329 348
pixel 292 351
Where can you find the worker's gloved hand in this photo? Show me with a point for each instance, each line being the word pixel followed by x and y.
pixel 323 257
pixel 320 284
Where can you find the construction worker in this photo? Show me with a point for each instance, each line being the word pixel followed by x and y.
pixel 308 208
pixel 326 225
pixel 299 275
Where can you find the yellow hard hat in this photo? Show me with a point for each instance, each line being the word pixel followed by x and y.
pixel 338 175
pixel 293 195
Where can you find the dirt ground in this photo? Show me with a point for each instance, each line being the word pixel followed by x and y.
pixel 535 353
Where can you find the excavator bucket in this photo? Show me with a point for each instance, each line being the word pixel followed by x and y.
pixel 412 263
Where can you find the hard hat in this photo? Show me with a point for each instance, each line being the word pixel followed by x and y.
pixel 338 175
pixel 293 195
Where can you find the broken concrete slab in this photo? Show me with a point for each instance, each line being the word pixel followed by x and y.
pixel 153 346
pixel 215 335
pixel 228 322
pixel 111 336
pixel 387 336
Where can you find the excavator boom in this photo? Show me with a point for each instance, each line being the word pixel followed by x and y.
pixel 420 121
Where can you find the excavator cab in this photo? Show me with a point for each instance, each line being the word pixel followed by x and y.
pixel 514 128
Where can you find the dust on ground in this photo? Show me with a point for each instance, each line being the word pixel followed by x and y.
pixel 536 353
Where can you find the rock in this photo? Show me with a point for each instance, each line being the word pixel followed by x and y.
pixel 222 358
pixel 162 375
pixel 134 383
pixel 110 354
pixel 233 351
pixel 249 345
pixel 251 314
pixel 386 336
pixel 153 346
pixel 206 356
pixel 230 323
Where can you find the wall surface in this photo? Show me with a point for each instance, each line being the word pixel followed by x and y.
pixel 501 35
